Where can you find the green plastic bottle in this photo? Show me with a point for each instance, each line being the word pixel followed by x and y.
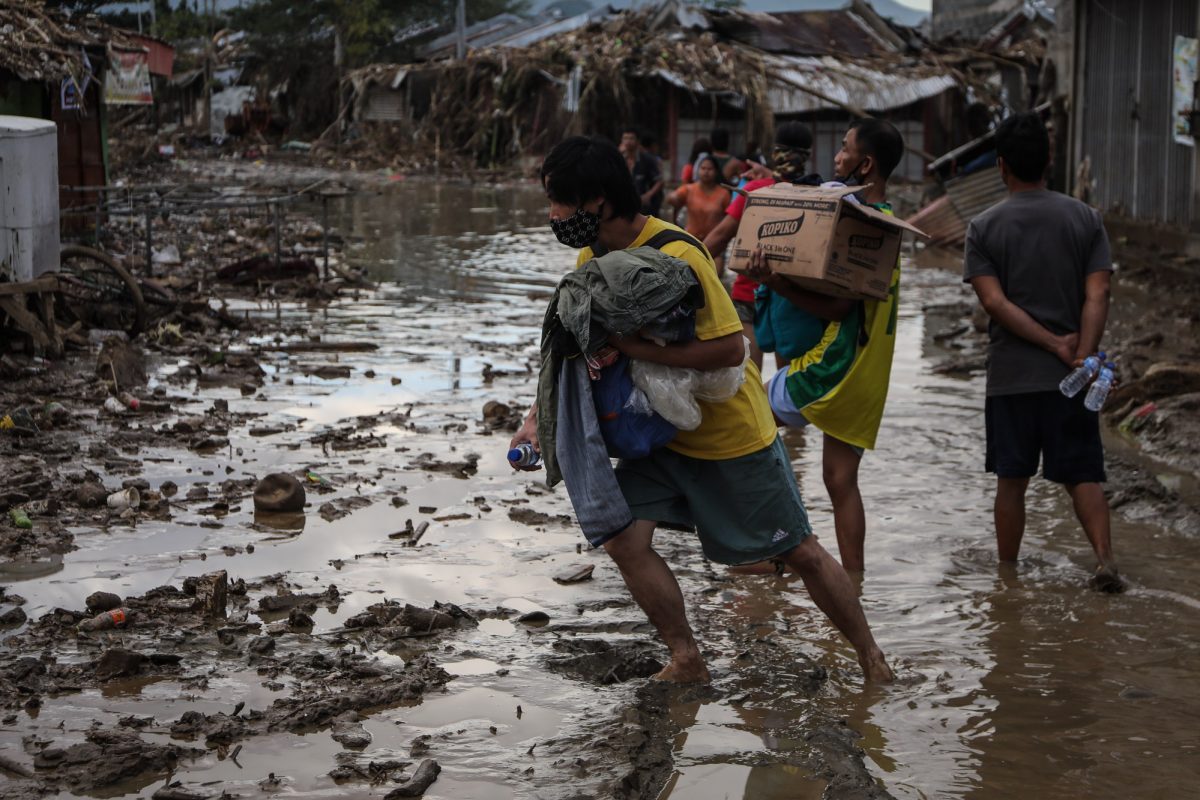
pixel 20 518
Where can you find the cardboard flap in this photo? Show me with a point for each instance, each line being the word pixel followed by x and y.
pixel 876 215
pixel 824 192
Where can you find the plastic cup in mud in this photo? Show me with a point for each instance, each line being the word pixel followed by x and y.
pixel 126 498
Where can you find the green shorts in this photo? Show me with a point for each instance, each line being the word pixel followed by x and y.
pixel 744 509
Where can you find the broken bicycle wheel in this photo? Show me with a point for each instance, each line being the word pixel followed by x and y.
pixel 99 292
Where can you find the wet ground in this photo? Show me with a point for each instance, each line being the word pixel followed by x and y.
pixel 1012 682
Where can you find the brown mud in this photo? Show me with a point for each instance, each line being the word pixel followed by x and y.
pixel 410 631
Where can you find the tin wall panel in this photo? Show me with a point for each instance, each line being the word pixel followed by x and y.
pixel 1125 114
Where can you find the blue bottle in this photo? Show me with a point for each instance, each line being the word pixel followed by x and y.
pixel 1079 377
pixel 523 455
pixel 1099 391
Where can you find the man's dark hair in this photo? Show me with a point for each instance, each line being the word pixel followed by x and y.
pixel 879 139
pixel 1024 144
pixel 632 129
pixel 794 135
pixel 580 169
pixel 720 139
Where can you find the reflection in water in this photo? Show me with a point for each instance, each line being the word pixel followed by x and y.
pixel 1018 683
pixel 287 522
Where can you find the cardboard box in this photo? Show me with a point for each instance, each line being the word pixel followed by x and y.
pixel 821 240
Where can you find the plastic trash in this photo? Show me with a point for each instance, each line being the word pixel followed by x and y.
pixel 523 455
pixel 117 618
pixel 129 401
pixel 20 518
pixel 673 391
pixel 126 498
pixel 114 406
pixel 1098 393
pixel 315 478
pixel 1081 375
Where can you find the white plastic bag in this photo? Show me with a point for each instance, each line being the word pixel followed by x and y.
pixel 673 391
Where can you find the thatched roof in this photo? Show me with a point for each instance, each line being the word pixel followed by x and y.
pixel 39 43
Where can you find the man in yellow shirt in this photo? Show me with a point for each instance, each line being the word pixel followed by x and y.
pixel 730 479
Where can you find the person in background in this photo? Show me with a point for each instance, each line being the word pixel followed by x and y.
pixel 705 199
pixel 687 174
pixel 647 175
pixel 729 165
pixel 789 158
pixel 1041 265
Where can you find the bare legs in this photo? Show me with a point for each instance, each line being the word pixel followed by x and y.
pixel 1091 509
pixel 839 466
pixel 834 593
pixel 1010 516
pixel 656 590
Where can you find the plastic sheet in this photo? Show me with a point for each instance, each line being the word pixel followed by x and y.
pixel 673 391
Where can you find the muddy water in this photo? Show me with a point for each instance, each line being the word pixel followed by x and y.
pixel 1013 682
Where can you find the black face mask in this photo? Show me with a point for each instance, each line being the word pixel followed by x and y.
pixel 578 230
pixel 853 178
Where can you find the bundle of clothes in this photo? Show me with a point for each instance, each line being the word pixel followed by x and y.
pixel 594 403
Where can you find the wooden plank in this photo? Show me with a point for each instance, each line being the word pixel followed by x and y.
pixel 45 301
pixel 44 284
pixel 26 321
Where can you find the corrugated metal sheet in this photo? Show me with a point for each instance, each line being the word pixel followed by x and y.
pixel 973 194
pixel 946 219
pixel 809 33
pixel 1138 169
pixel 384 104
pixel 847 83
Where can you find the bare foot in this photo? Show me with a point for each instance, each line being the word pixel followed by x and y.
pixel 875 668
pixel 681 670
pixel 1107 580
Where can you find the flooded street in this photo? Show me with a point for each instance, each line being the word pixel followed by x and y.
pixel 1011 682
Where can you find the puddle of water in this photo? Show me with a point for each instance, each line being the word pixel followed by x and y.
pixel 471 666
pixel 478 709
pixel 1013 682
pixel 714 781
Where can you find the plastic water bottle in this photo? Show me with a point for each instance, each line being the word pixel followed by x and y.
pixel 1099 391
pixel 523 455
pixel 116 618
pixel 1079 377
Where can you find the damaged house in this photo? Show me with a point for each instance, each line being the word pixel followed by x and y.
pixel 675 70
pixel 69 70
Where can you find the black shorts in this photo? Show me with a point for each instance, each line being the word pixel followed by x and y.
pixel 1022 427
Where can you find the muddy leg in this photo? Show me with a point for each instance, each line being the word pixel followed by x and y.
pixel 833 592
pixel 655 589
pixel 1010 516
pixel 839 464
pixel 1091 507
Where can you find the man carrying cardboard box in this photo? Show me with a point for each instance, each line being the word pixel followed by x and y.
pixel 840 349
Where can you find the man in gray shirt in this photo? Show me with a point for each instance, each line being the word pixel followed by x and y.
pixel 1040 264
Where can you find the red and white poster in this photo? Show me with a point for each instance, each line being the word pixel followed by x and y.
pixel 127 81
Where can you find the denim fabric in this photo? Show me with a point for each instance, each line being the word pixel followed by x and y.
pixel 582 455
